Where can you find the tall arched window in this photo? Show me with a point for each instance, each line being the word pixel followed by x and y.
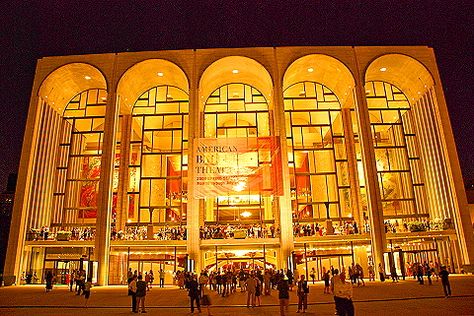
pixel 238 110
pixel 79 159
pixel 157 191
pixel 399 169
pixel 317 156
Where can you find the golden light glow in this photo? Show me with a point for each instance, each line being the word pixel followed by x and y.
pixel 235 71
pixel 87 77
pixel 160 74
pixel 310 69
pixel 383 69
pixel 246 214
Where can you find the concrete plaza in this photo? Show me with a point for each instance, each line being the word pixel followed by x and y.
pixel 376 298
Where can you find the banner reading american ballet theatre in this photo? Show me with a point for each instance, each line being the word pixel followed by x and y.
pixel 237 165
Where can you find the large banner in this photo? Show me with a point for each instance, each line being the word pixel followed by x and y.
pixel 225 166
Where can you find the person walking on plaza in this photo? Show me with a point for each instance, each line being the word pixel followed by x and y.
pixel 302 291
pixel 360 273
pixel 283 295
pixel 444 275
pixel 251 285
pixel 419 273
pixel 194 293
pixel 343 295
pixel 140 294
pixel 87 290
pixel 327 281
pixel 132 291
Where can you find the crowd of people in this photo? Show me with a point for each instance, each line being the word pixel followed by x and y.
pixel 402 226
pixel 141 233
pixel 73 233
pixel 255 283
pixel 241 231
pixel 317 229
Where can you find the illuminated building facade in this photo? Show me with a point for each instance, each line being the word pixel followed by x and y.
pixel 275 157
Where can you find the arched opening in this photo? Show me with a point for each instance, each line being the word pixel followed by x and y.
pixel 237 114
pixel 66 171
pixel 321 133
pixel 153 147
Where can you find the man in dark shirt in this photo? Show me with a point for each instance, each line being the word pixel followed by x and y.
pixel 283 295
pixel 194 293
pixel 141 293
pixel 444 275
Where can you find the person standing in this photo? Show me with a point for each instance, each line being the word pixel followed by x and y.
pixel 251 285
pixel 72 277
pixel 258 292
pixel 49 281
pixel 266 281
pixel 302 291
pixel 162 278
pixel 194 293
pixel 132 291
pixel 152 278
pixel 371 272
pixel 312 274
pixel 444 275
pixel 343 295
pixel 381 272
pixel 327 281
pixel 283 295
pixel 203 279
pixel 87 290
pixel 147 281
pixel 141 293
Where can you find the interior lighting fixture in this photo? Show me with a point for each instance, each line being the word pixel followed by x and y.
pixel 160 74
pixel 129 220
pixel 235 71
pixel 246 214
pixel 310 69
pixel 383 69
pixel 87 77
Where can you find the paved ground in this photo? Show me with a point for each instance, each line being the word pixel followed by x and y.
pixel 403 298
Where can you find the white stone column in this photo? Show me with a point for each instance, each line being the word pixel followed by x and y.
pixel 374 201
pixel 284 201
pixel 16 241
pixel 193 243
pixel 104 201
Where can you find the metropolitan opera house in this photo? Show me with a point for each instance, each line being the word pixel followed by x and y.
pixel 238 158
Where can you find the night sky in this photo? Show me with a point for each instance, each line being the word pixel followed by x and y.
pixel 30 30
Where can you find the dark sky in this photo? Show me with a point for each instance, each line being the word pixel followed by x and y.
pixel 33 29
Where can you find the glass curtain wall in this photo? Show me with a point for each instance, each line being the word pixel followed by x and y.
pixel 317 155
pixel 399 169
pixel 238 110
pixel 157 192
pixel 79 159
